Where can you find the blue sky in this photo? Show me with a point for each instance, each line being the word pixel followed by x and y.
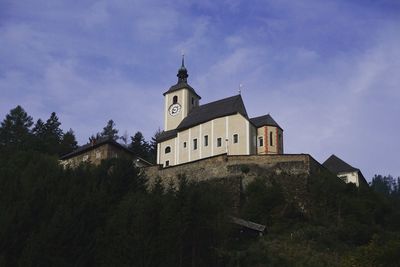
pixel 327 71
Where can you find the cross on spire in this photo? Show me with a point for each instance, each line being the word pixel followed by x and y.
pixel 240 89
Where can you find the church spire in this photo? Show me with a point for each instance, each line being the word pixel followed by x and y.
pixel 182 72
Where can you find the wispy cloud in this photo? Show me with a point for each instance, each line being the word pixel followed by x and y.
pixel 326 71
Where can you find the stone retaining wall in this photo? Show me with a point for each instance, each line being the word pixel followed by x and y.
pixel 290 171
pixel 245 166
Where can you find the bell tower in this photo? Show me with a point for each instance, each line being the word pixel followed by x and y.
pixel 179 100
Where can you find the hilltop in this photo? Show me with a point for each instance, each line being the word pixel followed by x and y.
pixel 115 214
pixel 106 215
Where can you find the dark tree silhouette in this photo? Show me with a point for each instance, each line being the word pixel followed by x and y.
pixel 68 142
pixel 153 146
pixel 15 129
pixel 53 134
pixel 110 131
pixel 139 146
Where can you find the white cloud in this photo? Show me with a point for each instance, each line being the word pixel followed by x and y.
pixel 312 65
pixel 200 27
pixel 97 14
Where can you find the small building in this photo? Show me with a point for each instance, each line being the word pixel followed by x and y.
pixel 248 228
pixel 98 150
pixel 193 131
pixel 344 171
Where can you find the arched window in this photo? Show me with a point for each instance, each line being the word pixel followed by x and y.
pixel 175 99
pixel 235 138
pixel 167 149
pixel 219 141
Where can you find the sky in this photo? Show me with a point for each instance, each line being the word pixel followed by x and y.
pixel 327 71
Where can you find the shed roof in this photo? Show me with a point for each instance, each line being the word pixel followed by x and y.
pixel 248 224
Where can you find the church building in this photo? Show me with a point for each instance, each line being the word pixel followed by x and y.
pixel 193 131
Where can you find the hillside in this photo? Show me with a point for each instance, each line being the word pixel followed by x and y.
pixel 106 216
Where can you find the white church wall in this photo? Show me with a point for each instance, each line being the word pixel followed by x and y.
pixel 167 159
pixel 237 124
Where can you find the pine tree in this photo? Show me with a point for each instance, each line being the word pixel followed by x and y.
pixel 153 146
pixel 68 143
pixel 139 146
pixel 109 131
pixel 39 136
pixel 15 129
pixel 39 129
pixel 52 127
pixel 53 134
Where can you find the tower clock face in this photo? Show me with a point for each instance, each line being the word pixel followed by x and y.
pixel 174 109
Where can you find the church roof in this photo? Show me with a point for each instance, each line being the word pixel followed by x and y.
pixel 336 165
pixel 90 146
pixel 181 85
pixel 224 107
pixel 265 120
pixel 165 135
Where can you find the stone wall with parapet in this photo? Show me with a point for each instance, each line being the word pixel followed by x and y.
pixel 245 166
pixel 290 171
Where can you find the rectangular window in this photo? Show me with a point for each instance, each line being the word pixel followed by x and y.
pixel 270 139
pixel 195 144
pixel 260 141
pixel 219 142
pixel 167 163
pixel 206 140
pixel 235 138
pixel 184 144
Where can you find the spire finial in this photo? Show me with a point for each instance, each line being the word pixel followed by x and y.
pixel 182 72
pixel 183 60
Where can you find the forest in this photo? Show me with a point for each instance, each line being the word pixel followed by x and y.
pixel 107 215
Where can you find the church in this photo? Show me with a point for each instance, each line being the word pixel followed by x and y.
pixel 193 131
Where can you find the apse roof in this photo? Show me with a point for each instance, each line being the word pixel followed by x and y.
pixel 265 120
